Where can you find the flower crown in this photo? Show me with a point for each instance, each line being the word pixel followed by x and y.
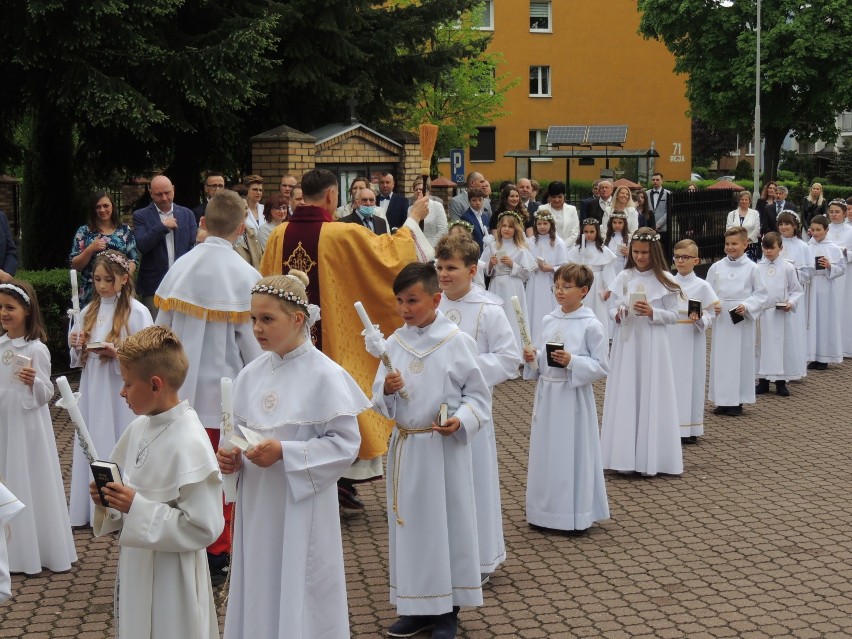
pixel 591 220
pixel 514 214
pixel 282 294
pixel 117 258
pixel 463 224
pixel 18 290
pixel 619 215
pixel 545 215
pixel 645 237
pixel 793 213
pixel 838 202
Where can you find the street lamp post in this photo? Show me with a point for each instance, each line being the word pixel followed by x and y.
pixel 757 147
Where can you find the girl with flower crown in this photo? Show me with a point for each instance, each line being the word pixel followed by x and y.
pixel 589 250
pixel 112 316
pixel 550 253
pixel 640 430
pixel 287 575
pixel 510 263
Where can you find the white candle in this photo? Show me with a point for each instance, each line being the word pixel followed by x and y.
pixel 69 403
pixel 229 482
pixel 75 293
pixel 522 326
pixel 365 319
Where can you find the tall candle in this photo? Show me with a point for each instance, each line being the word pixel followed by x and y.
pixel 69 403
pixel 75 293
pixel 229 482
pixel 522 327
pixel 365 319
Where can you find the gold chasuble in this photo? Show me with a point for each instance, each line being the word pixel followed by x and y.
pixel 345 263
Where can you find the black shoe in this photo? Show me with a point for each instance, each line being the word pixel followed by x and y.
pixel 219 566
pixel 720 410
pixel 781 388
pixel 411 625
pixel 446 625
pixel 347 497
pixel 734 411
pixel 762 387
pixel 817 366
pixel 691 439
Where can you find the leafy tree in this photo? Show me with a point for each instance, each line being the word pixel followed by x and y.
pixel 710 144
pixel 806 53
pixel 841 171
pixel 113 84
pixel 469 95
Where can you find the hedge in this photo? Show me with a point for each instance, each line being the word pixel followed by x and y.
pixel 53 290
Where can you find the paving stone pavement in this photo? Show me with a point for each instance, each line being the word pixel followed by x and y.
pixel 752 541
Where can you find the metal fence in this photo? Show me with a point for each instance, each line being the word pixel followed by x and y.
pixel 700 216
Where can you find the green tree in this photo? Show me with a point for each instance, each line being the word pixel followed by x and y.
pixel 469 95
pixel 710 144
pixel 806 63
pixel 114 85
pixel 841 171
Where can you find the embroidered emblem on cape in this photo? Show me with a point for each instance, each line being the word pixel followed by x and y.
pixel 300 260
pixel 770 271
pixel 269 401
pixel 454 315
pixel 557 337
pixel 416 366
pixel 8 356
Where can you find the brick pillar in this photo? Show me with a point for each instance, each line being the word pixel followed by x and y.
pixel 409 164
pixel 280 151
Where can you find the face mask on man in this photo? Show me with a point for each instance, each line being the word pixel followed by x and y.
pixel 366 210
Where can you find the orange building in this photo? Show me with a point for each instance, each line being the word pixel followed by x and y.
pixel 581 62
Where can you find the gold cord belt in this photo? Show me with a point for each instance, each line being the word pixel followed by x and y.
pixel 402 435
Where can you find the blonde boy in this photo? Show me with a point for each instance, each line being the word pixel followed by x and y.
pixel 742 294
pixel 688 341
pixel 169 503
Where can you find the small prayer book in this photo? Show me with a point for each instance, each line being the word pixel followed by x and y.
pixel 105 472
pixel 694 306
pixel 549 348
pixel 817 265
pixel 736 318
pixel 18 364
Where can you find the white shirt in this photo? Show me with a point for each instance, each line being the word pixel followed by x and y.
pixel 170 237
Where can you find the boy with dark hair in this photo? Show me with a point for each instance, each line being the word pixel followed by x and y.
pixel 434 554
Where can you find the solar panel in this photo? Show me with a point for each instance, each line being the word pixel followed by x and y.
pixel 606 135
pixel 566 134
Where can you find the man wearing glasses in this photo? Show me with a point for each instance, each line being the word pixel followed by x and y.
pixel 213 183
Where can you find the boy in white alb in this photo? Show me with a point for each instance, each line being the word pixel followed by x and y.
pixel 779 345
pixel 688 342
pixel 170 501
pixel 434 554
pixel 9 507
pixel 742 294
pixel 205 299
pixel 479 314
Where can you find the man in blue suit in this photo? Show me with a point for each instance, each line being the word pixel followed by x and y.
pixel 395 206
pixel 164 231
pixel 8 251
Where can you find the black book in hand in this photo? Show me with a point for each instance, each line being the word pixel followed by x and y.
pixel 817 264
pixel 736 318
pixel 694 307
pixel 549 348
pixel 105 472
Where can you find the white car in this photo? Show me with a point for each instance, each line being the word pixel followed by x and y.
pixel 695 177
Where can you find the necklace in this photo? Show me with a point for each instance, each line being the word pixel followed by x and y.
pixel 144 444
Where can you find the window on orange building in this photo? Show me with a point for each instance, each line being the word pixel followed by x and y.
pixel 538 142
pixel 539 81
pixel 485 20
pixel 540 17
pixel 486 145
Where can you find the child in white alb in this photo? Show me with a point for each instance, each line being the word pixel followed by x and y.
pixel 589 250
pixel 825 337
pixel 550 253
pixel 794 250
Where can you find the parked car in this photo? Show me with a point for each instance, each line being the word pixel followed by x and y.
pixel 695 177
pixel 729 178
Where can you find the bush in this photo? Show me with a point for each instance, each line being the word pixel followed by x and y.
pixel 53 290
pixel 744 170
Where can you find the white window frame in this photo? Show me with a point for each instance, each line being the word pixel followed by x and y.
pixel 488 10
pixel 540 141
pixel 549 81
pixel 549 28
pixel 845 123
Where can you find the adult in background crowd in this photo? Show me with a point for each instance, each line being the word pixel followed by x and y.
pixel 622 202
pixel 164 231
pixel 103 231
pixel 528 198
pixel 510 200
pixel 767 196
pixel 275 211
pixel 348 208
pixel 460 204
pixel 254 194
pixel 749 219
pixel 435 226
pixel 365 212
pixel 585 203
pixel 643 210
pixel 814 204
pixel 770 212
pixel 566 220
pixel 213 183
pixel 603 204
pixel 393 205
pixel 288 183
pixel 8 251
pixel 658 201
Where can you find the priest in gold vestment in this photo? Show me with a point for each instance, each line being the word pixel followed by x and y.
pixel 347 263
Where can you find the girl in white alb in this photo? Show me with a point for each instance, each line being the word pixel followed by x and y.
pixel 40 535
pixel 550 253
pixel 840 233
pixel 589 250
pixel 112 315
